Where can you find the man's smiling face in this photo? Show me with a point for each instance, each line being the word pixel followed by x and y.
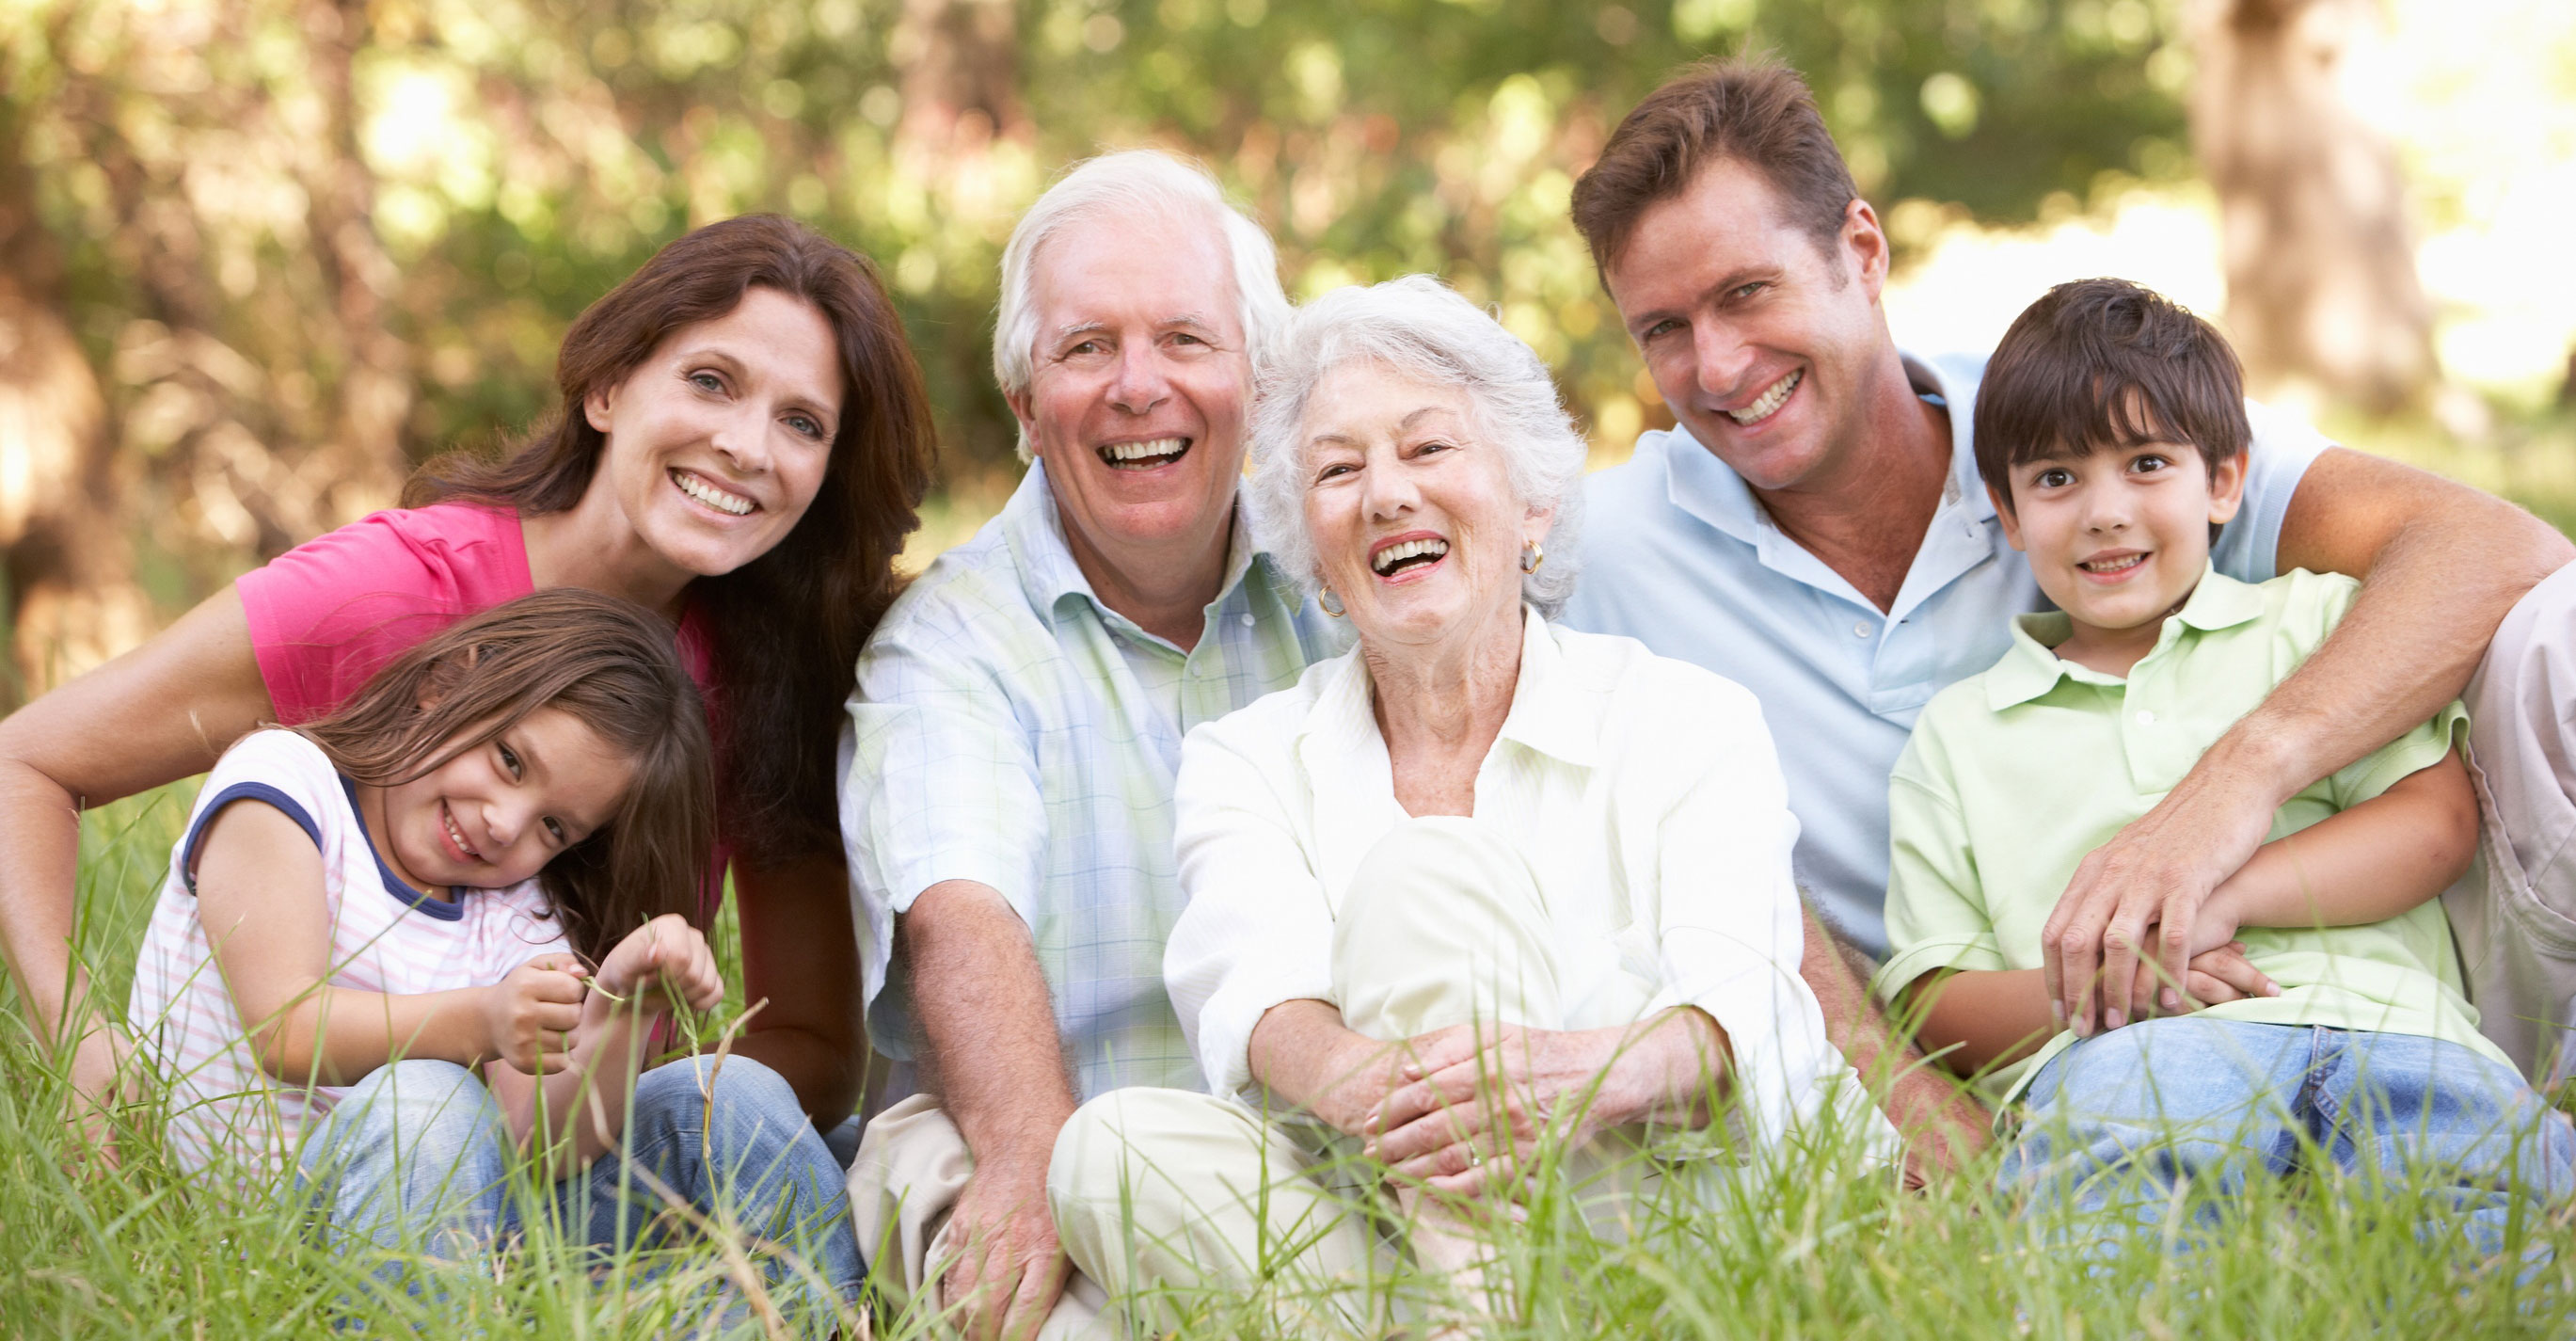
pixel 1761 340
pixel 1140 379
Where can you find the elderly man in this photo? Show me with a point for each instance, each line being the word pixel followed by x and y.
pixel 1008 800
pixel 1814 528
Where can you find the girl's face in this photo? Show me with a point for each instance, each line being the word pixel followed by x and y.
pixel 719 439
pixel 497 813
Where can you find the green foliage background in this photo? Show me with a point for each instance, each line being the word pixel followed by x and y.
pixel 511 159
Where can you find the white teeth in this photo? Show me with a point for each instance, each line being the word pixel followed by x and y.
pixel 1138 451
pixel 1770 401
pixel 2113 565
pixel 1389 557
pixel 457 835
pixel 722 501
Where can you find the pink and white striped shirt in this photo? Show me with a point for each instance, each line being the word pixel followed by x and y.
pixel 386 937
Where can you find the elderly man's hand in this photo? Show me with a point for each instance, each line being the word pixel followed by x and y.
pixel 2153 875
pixel 1010 1268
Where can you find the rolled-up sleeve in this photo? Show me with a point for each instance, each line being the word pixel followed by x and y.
pixel 1256 930
pixel 938 781
pixel 1729 930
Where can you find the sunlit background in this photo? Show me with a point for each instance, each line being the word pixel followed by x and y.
pixel 258 257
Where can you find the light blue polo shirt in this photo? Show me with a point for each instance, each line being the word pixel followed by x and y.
pixel 1678 555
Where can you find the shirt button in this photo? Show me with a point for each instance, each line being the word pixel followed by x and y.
pixel 1247 620
pixel 1860 629
pixel 2146 718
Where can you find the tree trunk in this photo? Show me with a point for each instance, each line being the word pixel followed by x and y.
pixel 960 77
pixel 364 457
pixel 72 598
pixel 2321 285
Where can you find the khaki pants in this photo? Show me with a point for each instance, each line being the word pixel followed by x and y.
pixel 911 1167
pixel 1177 1193
pixel 2515 912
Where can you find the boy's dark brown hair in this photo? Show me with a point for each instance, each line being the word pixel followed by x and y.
pixel 1755 111
pixel 615 667
pixel 2104 363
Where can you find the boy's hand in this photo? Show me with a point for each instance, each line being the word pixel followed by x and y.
pixel 529 1018
pixel 668 959
pixel 2209 978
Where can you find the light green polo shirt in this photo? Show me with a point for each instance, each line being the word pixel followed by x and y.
pixel 2013 776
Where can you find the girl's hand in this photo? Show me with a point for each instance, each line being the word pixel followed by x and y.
pixel 667 958
pixel 529 1018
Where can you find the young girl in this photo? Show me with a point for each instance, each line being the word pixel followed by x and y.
pixel 483 860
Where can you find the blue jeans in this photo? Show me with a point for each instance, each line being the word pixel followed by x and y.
pixel 2116 1122
pixel 416 1159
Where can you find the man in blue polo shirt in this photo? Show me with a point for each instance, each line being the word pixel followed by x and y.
pixel 1814 529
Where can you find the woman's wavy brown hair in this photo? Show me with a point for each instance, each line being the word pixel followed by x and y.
pixel 615 667
pixel 788 624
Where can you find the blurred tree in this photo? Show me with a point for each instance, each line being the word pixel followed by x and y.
pixel 305 242
pixel 2321 281
pixel 73 603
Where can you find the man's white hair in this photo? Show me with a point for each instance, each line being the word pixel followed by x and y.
pixel 1129 184
pixel 1419 328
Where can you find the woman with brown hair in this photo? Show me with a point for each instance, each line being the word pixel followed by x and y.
pixel 741 446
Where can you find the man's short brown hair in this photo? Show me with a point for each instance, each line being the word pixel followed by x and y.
pixel 1757 112
pixel 2104 363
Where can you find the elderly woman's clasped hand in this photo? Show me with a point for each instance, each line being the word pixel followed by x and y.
pixel 1474 1102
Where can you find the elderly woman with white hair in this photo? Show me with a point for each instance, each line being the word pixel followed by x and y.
pixel 1549 868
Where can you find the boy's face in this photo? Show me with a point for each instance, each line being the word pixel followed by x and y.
pixel 2118 537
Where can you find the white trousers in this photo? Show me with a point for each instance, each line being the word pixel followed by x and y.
pixel 1167 1197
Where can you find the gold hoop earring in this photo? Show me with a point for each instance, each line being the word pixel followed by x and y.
pixel 1532 556
pixel 1332 604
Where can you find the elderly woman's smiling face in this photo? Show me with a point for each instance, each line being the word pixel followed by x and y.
pixel 1416 525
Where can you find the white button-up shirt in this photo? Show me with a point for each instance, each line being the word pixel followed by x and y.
pixel 1643 792
pixel 1678 553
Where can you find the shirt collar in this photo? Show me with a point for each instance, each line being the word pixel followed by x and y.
pixel 1699 483
pixel 2031 666
pixel 1050 578
pixel 1549 712
pixel 1965 488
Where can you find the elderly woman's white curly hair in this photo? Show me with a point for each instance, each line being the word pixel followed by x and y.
pixel 1419 328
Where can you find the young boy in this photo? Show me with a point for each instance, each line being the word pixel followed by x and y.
pixel 2111 431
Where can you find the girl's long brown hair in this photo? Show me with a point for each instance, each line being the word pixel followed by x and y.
pixel 789 623
pixel 615 667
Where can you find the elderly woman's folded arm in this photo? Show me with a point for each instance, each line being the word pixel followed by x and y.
pixel 1256 933
pixel 1729 931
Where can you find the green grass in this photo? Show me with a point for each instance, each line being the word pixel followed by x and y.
pixel 136 1250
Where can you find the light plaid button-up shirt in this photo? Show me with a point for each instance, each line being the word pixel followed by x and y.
pixel 1000 733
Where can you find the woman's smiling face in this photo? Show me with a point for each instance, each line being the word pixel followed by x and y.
pixel 1416 526
pixel 719 439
